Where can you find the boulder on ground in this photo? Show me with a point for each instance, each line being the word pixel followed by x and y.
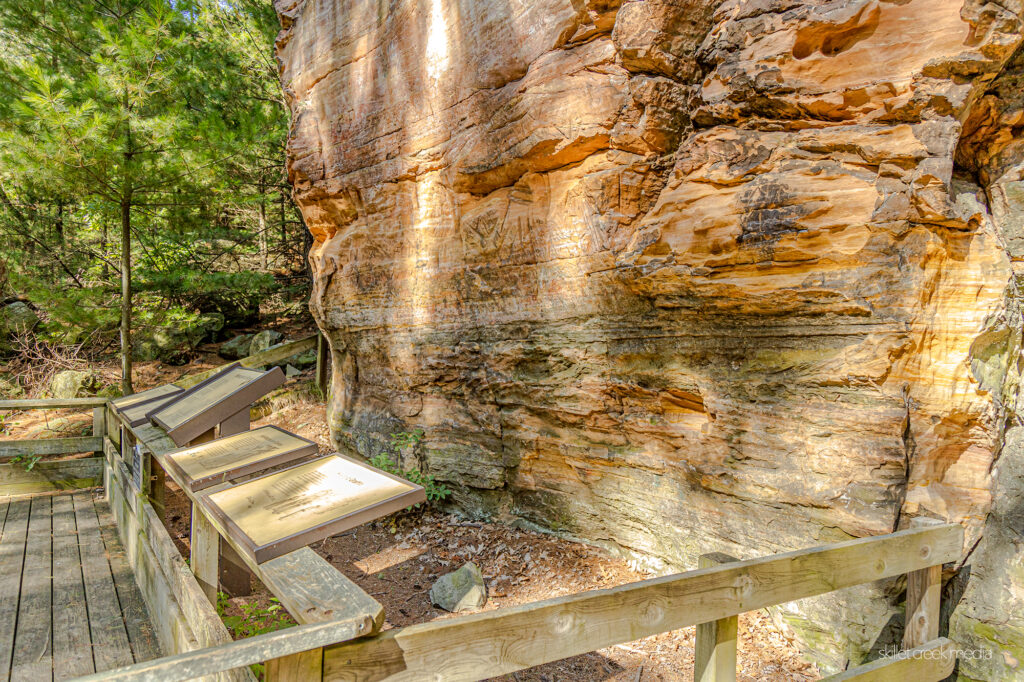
pixel 15 318
pixel 462 590
pixel 237 347
pixel 264 340
pixel 74 384
pixel 299 361
pixel 10 387
pixel 175 343
pixel 290 371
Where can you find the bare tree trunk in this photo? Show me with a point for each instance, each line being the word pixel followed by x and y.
pixel 263 228
pixel 103 251
pixel 126 297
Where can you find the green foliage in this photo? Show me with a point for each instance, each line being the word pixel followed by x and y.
pixel 254 620
pixel 28 462
pixel 169 107
pixel 389 461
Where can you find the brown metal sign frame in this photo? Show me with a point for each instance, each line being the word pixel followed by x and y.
pixel 224 408
pixel 197 484
pixel 155 401
pixel 291 542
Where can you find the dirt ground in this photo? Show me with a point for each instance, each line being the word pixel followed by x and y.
pixel 396 560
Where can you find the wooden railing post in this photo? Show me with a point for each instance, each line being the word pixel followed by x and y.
pixel 715 650
pixel 99 425
pixel 924 595
pixel 300 667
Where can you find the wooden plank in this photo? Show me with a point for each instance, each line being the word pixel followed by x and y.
pixel 301 667
pixel 262 359
pixel 72 649
pixel 51 403
pixel 49 446
pixel 312 590
pixel 137 619
pixel 33 646
pixel 715 648
pixel 205 554
pixel 73 474
pixel 12 558
pixel 99 421
pixel 924 595
pixel 175 631
pixel 929 662
pixel 187 621
pixel 111 647
pixel 308 587
pixel 515 638
pixel 244 652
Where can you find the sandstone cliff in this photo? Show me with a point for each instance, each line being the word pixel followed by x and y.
pixel 683 275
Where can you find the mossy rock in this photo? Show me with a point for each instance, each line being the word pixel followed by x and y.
pixel 237 347
pixel 74 384
pixel 175 344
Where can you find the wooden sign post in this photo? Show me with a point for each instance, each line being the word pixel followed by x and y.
pixel 280 512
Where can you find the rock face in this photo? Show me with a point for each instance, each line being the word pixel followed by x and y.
pixel 679 276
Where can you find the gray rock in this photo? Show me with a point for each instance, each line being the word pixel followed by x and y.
pixel 15 318
pixel 290 371
pixel 10 387
pixel 175 343
pixel 264 340
pixel 74 384
pixel 237 347
pixel 462 590
pixel 299 360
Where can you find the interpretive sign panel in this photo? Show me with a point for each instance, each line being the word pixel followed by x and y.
pixel 206 465
pixel 285 510
pixel 133 408
pixel 208 403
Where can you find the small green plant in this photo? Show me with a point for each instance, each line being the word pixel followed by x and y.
pixel 26 461
pixel 255 620
pixel 389 461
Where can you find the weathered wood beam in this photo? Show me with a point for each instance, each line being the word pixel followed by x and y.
pixel 237 654
pixel 714 658
pixel 49 446
pixel 51 476
pixel 497 642
pixel 262 359
pixel 930 662
pixel 51 403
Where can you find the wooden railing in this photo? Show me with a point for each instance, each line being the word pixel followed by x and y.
pixel 28 476
pixel 498 642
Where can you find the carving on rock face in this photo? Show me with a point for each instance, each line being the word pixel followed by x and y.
pixel 640 268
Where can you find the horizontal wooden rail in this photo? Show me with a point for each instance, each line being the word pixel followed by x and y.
pixel 73 474
pixel 929 662
pixel 261 359
pixel 49 446
pixel 497 642
pixel 51 403
pixel 243 652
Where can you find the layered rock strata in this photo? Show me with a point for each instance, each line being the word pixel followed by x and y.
pixel 678 276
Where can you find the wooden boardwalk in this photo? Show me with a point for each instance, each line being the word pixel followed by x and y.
pixel 69 605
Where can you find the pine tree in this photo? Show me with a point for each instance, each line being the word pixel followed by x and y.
pixel 109 104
